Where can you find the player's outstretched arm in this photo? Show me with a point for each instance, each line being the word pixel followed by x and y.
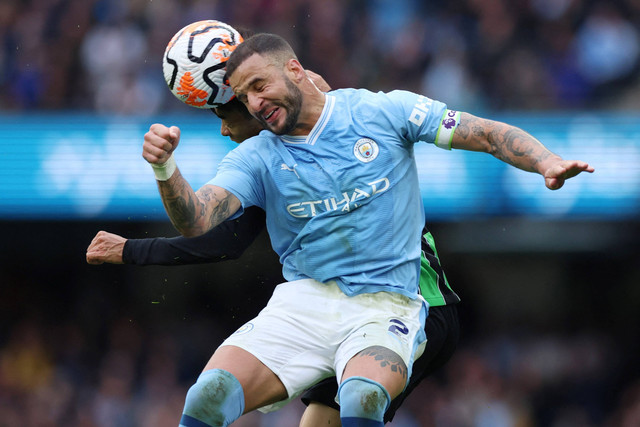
pixel 516 147
pixel 192 213
pixel 225 242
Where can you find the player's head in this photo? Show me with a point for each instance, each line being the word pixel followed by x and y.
pixel 237 123
pixel 264 72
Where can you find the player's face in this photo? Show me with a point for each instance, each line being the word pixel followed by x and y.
pixel 238 127
pixel 268 93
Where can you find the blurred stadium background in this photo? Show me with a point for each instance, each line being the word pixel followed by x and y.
pixel 549 280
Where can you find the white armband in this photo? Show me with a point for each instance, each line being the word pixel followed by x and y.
pixel 448 125
pixel 164 171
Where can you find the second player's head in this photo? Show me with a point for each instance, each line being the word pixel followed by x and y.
pixel 237 123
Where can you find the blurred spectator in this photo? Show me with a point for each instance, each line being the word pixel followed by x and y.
pixel 111 403
pixel 607 45
pixel 628 412
pixel 114 58
pixel 25 363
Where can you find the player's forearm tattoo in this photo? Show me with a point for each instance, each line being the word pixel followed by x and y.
pixel 508 143
pixel 180 202
pixel 188 210
pixel 387 359
pixel 222 209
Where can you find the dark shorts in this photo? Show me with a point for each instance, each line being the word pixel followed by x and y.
pixel 443 332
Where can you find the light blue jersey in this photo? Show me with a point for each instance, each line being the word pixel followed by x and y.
pixel 343 203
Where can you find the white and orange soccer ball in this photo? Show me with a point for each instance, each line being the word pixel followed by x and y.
pixel 194 63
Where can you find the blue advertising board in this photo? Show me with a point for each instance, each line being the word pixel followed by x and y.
pixel 87 167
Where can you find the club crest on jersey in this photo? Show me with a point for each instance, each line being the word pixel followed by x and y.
pixel 366 150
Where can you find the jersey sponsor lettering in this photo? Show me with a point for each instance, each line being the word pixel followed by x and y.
pixel 348 201
pixel 420 110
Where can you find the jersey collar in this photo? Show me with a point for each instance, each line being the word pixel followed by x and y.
pixel 313 136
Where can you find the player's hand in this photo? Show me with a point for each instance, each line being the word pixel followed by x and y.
pixel 106 247
pixel 558 173
pixel 318 81
pixel 159 143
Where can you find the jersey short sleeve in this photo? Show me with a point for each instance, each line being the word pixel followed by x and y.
pixel 238 173
pixel 425 119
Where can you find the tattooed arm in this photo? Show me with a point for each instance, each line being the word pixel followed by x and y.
pixel 195 213
pixel 192 213
pixel 516 147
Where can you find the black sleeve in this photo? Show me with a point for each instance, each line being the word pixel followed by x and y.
pixel 226 241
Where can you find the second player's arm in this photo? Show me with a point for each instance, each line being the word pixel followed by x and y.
pixel 227 241
pixel 516 147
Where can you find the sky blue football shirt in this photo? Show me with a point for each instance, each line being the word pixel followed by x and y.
pixel 343 203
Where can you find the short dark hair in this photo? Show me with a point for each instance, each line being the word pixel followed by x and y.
pixel 244 32
pixel 230 106
pixel 264 44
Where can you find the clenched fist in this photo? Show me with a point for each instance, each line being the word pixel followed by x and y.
pixel 106 247
pixel 159 143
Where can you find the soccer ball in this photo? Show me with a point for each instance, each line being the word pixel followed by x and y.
pixel 194 63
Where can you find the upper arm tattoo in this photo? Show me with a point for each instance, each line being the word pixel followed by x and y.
pixel 470 134
pixel 193 213
pixel 222 210
pixel 462 130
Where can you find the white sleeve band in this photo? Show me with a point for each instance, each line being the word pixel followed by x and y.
pixel 164 171
pixel 448 125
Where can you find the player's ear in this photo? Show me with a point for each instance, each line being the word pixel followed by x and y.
pixel 295 70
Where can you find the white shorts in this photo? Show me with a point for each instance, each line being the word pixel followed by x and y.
pixel 309 331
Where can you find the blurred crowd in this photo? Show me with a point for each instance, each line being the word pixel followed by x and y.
pixel 53 376
pixel 105 55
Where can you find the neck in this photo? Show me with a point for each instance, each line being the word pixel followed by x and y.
pixel 312 104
